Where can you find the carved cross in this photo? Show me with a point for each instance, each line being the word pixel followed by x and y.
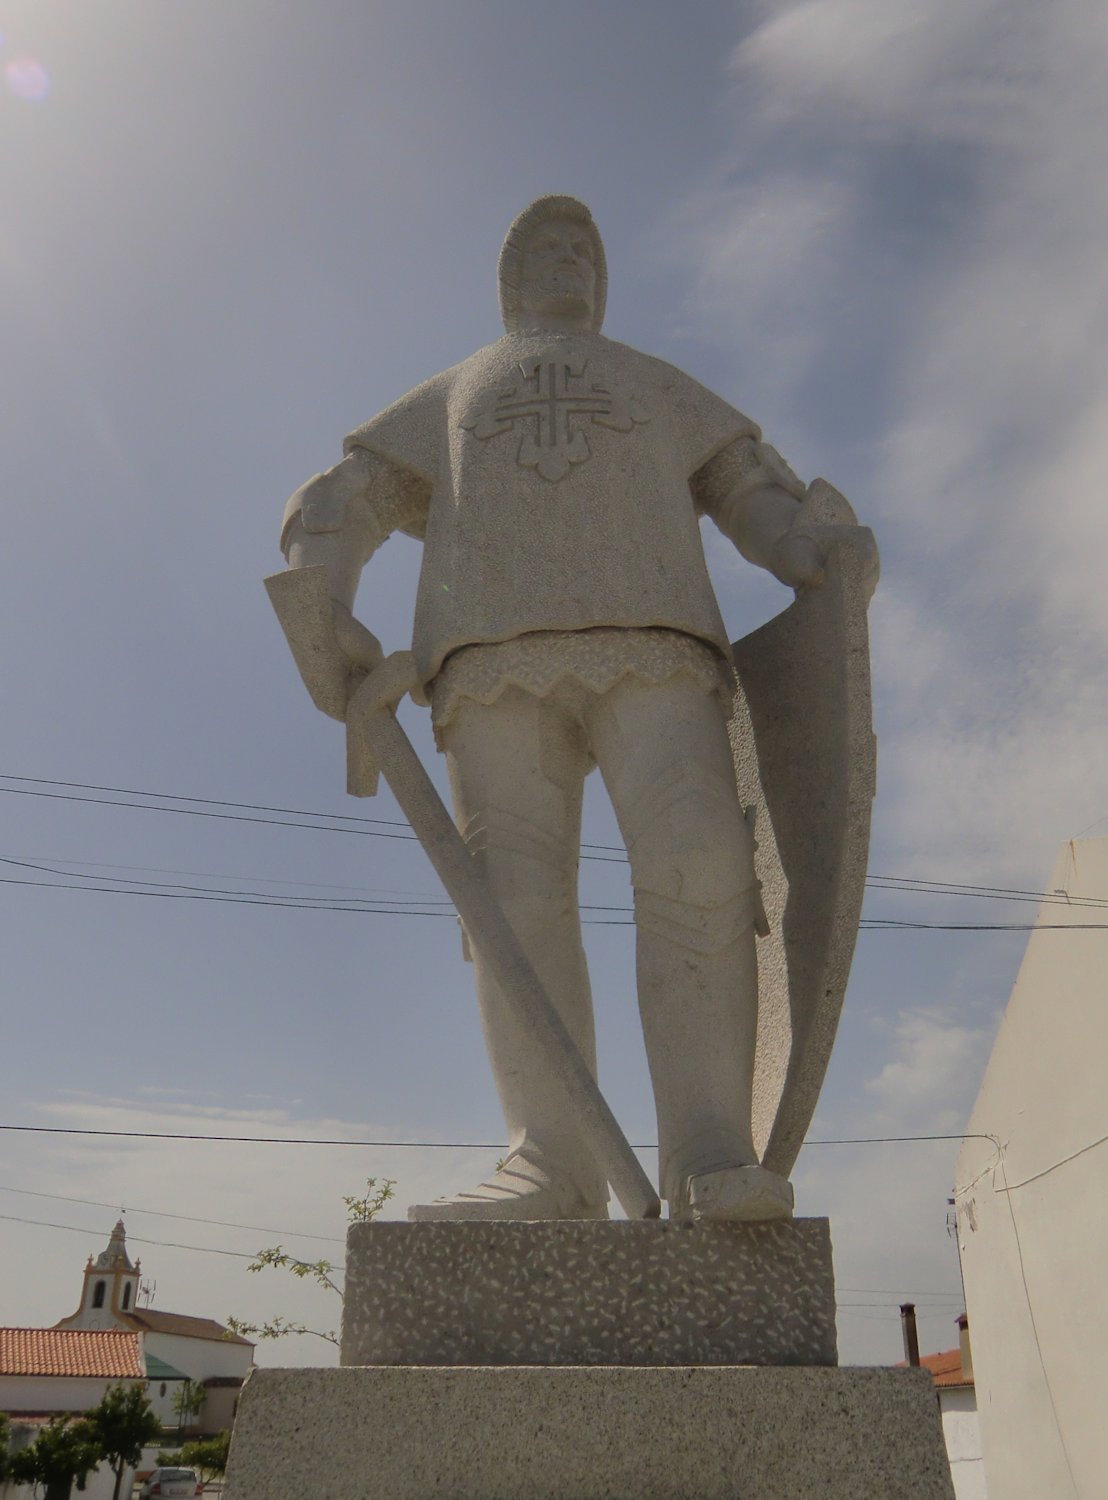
pixel 546 395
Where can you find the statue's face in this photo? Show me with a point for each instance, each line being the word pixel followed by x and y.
pixel 559 275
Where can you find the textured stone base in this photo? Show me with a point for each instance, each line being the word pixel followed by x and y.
pixel 589 1293
pixel 727 1433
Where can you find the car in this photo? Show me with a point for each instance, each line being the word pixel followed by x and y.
pixel 171 1484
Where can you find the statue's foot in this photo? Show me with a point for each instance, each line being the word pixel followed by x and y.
pixel 520 1190
pixel 736 1195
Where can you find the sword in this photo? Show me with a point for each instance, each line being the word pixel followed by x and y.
pixel 375 741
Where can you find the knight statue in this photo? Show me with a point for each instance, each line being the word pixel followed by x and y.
pixel 565 620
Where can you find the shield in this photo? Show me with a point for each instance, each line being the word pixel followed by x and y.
pixel 805 761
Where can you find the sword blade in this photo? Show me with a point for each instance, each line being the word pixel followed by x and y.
pixel 491 935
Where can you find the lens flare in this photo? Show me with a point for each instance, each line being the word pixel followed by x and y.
pixel 27 79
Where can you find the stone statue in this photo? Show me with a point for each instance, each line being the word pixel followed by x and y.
pixel 565 620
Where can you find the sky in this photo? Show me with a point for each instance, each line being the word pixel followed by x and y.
pixel 228 234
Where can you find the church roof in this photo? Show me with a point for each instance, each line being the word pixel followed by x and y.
pixel 160 1369
pixel 110 1353
pixel 152 1320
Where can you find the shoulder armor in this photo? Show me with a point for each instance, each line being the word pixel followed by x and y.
pixel 320 503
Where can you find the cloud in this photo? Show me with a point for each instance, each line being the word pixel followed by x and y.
pixel 901 261
pixel 904 253
pixel 952 71
pixel 935 1068
pixel 887 1201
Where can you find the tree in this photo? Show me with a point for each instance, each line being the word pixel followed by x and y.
pixel 208 1455
pixel 5 1437
pixel 188 1400
pixel 121 1424
pixel 359 1210
pixel 64 1453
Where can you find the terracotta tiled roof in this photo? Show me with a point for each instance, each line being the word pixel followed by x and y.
pixel 946 1368
pixel 112 1353
pixel 150 1320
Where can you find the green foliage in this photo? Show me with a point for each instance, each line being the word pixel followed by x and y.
pixel 64 1453
pixel 369 1205
pixel 188 1400
pixel 208 1455
pixel 5 1438
pixel 121 1424
pixel 359 1210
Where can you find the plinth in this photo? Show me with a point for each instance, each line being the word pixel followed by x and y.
pixel 575 1361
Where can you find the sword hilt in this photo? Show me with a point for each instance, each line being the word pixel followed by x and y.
pixel 379 692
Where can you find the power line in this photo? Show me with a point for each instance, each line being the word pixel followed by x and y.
pixel 230 900
pixel 155 1213
pixel 889 924
pixel 297 812
pixel 323 903
pixel 279 1140
pixel 374 892
pixel 922 1297
pixel 136 1238
pixel 370 827
pixel 870 1307
pixel 261 1140
pixel 866 924
pixel 248 817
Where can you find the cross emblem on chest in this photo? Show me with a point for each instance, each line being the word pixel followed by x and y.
pixel 551 398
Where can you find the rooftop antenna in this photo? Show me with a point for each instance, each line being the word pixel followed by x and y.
pixel 146 1292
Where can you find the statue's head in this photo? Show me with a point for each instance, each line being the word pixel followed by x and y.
pixel 552 269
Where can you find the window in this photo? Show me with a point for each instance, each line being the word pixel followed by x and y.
pixel 161 1389
pixel 126 1295
pixel 98 1294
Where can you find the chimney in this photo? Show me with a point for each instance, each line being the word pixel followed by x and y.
pixel 964 1348
pixel 908 1328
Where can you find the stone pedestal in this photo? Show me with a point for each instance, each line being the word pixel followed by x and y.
pixel 570 1361
pixel 574 1292
pixel 607 1433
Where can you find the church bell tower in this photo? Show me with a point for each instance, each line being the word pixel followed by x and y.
pixel 110 1288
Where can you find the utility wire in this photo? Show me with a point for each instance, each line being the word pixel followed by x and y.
pixel 866 924
pixel 366 827
pixel 922 1297
pixel 246 1255
pixel 325 903
pixel 136 1238
pixel 296 812
pixel 284 1140
pixel 156 1213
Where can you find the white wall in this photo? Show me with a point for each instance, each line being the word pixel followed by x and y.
pixel 52 1393
pixel 962 1435
pixel 1033 1215
pixel 163 1405
pixel 200 1358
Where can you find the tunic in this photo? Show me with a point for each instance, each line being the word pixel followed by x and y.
pixel 557 481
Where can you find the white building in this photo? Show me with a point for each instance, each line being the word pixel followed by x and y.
pixel 952 1375
pixel 1032 1200
pixel 176 1346
pixel 47 1371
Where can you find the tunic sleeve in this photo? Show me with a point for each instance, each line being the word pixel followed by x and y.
pixel 700 423
pixel 409 433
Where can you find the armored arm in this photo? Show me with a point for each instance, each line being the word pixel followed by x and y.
pixel 754 498
pixel 757 502
pixel 336 521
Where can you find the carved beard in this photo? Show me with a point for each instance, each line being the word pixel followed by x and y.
pixel 557 288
